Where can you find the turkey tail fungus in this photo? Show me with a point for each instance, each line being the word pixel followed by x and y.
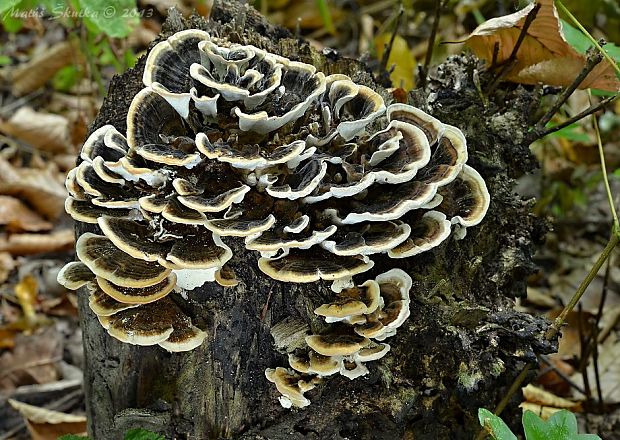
pixel 256 219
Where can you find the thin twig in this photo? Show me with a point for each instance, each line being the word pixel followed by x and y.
pixel 542 132
pixel 388 47
pixel 508 63
pixel 585 354
pixel 597 376
pixel 431 43
pixel 495 55
pixel 595 334
pixel 592 60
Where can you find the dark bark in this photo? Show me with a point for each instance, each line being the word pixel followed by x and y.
pixel 459 350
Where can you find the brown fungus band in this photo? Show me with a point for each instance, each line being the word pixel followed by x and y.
pixel 313 172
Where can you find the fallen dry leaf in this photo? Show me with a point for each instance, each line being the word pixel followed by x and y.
pixel 7 264
pixel 29 76
pixel 544 55
pixel 544 412
pixel 28 244
pixel 7 338
pixel 551 380
pixel 45 424
pixel 17 217
pixel 45 131
pixel 609 370
pixel 26 292
pixel 569 340
pixel 533 394
pixel 33 360
pixel 43 189
pixel 400 59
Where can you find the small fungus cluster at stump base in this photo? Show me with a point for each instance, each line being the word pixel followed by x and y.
pixel 215 196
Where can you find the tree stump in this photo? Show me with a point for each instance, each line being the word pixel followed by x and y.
pixel 460 349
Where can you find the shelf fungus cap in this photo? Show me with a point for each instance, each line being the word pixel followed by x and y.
pixel 138 295
pixel 161 322
pixel 291 385
pixel 301 268
pixel 75 275
pixel 167 67
pixel 104 259
pixel 364 299
pixel 334 344
pixel 470 197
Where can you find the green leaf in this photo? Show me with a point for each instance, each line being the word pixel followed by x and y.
pixel 7 5
pixel 560 426
pixel 11 24
pixel 575 37
pixel 142 434
pixel 65 78
pixel 115 19
pixel 72 437
pixel 5 60
pixel 495 425
pixel 572 133
pixel 581 43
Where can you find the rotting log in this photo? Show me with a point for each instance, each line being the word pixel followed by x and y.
pixel 459 350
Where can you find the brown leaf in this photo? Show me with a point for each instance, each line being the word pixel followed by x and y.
pixel 17 217
pixel 33 360
pixel 569 341
pixel 42 67
pixel 45 131
pixel 544 412
pixel 544 55
pixel 539 396
pixel 7 338
pixel 26 292
pixel 43 189
pixel 401 60
pixel 45 424
pixel 28 244
pixel 7 264
pixel 608 369
pixel 551 380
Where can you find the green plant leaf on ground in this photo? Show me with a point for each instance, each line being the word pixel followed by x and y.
pixel 571 132
pixel 560 426
pixel 495 426
pixel 115 19
pixel 142 434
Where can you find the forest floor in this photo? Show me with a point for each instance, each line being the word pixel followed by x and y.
pixel 54 70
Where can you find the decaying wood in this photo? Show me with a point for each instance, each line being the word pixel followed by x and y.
pixel 459 350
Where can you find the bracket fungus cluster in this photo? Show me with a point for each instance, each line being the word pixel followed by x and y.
pixel 359 319
pixel 312 172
